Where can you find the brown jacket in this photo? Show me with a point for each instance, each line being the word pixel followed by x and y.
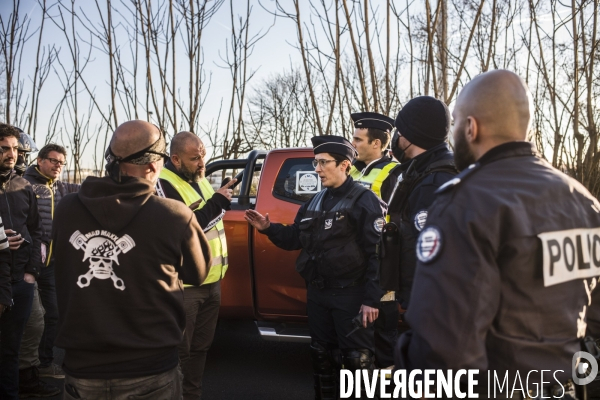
pixel 121 254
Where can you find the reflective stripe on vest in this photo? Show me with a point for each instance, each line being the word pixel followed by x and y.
pixel 382 176
pixel 374 179
pixel 215 235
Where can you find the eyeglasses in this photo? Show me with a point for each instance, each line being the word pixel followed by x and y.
pixel 322 162
pixel 57 162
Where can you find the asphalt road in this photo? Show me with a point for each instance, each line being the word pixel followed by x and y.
pixel 241 365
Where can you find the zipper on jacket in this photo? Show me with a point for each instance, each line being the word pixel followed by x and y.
pixel 52 219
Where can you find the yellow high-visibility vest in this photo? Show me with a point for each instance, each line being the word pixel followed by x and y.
pixel 374 179
pixel 215 235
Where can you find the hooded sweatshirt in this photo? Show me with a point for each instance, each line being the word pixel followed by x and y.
pixel 121 253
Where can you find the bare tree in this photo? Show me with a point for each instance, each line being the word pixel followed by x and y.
pixel 280 112
pixel 233 142
pixel 14 34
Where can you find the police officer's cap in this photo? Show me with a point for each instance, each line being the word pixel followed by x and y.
pixel 424 121
pixel 372 120
pixel 333 145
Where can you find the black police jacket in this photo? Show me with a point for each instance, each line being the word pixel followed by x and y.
pixel 508 270
pixel 328 255
pixel 423 175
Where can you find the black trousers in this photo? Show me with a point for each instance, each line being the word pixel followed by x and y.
pixel 386 333
pixel 12 324
pixel 202 312
pixel 330 313
pixel 47 291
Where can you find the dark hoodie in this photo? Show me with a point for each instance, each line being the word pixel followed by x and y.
pixel 121 253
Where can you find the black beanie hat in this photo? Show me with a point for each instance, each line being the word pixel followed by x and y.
pixel 424 121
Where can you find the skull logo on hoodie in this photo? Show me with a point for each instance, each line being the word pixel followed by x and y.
pixel 102 249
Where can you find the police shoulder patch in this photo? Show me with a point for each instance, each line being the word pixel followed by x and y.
pixel 420 219
pixel 458 179
pixel 378 224
pixel 429 244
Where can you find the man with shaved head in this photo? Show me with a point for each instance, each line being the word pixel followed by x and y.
pixel 509 257
pixel 183 180
pixel 120 254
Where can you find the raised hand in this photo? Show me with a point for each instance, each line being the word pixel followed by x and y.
pixel 257 220
pixel 226 190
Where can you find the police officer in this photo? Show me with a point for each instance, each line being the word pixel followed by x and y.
pixel 419 143
pixel 371 139
pixel 372 170
pixel 510 256
pixel 338 231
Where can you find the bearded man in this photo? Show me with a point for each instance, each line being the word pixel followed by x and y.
pixel 183 179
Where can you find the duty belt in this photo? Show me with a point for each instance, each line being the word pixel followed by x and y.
pixel 321 283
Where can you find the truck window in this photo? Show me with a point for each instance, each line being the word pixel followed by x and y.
pixel 297 181
pixel 217 177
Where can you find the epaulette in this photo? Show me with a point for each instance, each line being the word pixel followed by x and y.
pixel 458 179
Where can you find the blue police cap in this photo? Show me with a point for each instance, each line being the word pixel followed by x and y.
pixel 372 120
pixel 333 145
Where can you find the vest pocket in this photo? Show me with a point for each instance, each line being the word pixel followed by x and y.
pixel 307 233
pixel 341 260
pixel 305 266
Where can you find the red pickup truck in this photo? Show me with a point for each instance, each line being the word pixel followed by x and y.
pixel 261 282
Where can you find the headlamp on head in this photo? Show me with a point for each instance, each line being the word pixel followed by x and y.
pixel 155 152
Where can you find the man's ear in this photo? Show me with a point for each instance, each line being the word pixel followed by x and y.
pixel 153 167
pixel 176 160
pixel 376 143
pixel 472 131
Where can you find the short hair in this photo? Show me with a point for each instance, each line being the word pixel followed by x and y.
pixel 7 130
pixel 339 158
pixel 45 151
pixel 180 141
pixel 383 136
